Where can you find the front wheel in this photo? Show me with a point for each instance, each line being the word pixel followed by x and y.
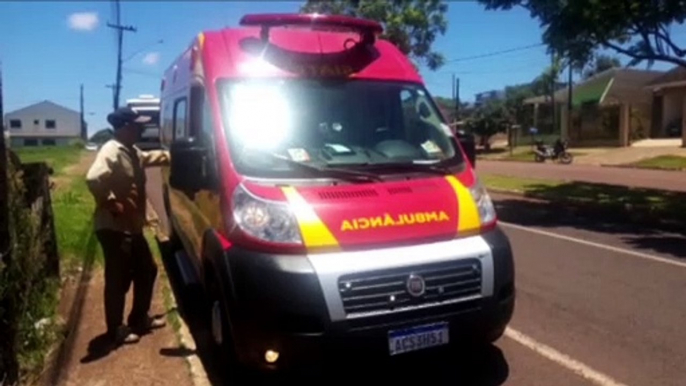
pixel 538 158
pixel 566 158
pixel 220 333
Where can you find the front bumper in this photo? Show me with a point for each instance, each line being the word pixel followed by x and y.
pixel 293 304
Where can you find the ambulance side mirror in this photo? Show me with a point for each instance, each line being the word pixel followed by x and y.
pixel 468 145
pixel 188 169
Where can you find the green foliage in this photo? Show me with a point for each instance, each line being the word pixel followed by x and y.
pixel 412 25
pixel 488 119
pixel 57 157
pixel 77 143
pixel 667 162
pixel 601 63
pixel 102 136
pixel 26 284
pixel 636 28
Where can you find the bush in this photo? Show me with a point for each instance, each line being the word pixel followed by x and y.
pixel 27 287
pixel 77 143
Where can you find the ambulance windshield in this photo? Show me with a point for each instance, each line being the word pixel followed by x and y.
pixel 357 124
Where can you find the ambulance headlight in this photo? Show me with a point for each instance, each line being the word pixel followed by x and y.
pixel 266 220
pixel 483 203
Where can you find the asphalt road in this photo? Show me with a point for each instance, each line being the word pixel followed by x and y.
pixel 655 179
pixel 597 304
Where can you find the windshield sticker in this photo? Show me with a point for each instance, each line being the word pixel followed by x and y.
pixel 299 155
pixel 446 129
pixel 387 220
pixel 338 149
pixel 431 148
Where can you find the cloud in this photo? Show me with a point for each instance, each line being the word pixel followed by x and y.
pixel 83 21
pixel 151 58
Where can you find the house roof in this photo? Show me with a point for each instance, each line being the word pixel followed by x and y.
pixel 616 85
pixel 673 77
pixel 43 104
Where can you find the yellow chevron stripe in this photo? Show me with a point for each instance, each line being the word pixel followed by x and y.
pixel 313 230
pixel 468 213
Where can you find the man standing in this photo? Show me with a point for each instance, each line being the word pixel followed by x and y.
pixel 117 182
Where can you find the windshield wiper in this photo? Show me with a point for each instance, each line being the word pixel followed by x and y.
pixel 343 174
pixel 432 167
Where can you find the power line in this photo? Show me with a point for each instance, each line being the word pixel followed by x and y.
pixel 495 53
pixel 120 37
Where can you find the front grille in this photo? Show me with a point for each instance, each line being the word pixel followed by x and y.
pixel 386 290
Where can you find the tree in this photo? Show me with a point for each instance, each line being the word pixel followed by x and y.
pixel 636 28
pixel 412 25
pixel 487 120
pixel 601 63
pixel 102 136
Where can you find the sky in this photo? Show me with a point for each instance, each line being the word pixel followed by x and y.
pixel 48 49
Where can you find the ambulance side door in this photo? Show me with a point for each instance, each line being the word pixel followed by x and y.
pixel 206 210
pixel 181 203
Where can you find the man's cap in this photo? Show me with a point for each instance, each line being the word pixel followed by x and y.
pixel 126 115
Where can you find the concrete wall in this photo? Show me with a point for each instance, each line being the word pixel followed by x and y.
pixel 672 103
pixel 39 141
pixel 34 120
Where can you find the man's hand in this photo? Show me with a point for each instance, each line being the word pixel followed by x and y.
pixel 115 207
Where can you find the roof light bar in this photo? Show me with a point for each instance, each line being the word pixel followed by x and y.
pixel 366 28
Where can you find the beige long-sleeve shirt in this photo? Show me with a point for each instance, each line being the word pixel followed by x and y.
pixel 118 173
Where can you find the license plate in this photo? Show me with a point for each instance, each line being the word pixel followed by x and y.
pixel 418 338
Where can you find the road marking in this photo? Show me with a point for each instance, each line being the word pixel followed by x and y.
pixel 597 245
pixel 563 360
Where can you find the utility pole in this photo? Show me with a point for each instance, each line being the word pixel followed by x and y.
pixel 84 134
pixel 120 40
pixel 569 99
pixel 553 79
pixel 456 82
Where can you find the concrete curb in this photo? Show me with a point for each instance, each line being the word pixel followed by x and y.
pixel 198 375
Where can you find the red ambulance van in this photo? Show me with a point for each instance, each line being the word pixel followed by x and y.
pixel 321 202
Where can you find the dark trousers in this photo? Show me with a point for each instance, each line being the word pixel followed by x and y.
pixel 127 260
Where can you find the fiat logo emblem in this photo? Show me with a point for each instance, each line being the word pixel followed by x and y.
pixel 415 285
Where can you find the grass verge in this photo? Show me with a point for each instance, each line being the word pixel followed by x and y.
pixel 57 157
pixel 648 205
pixel 664 162
pixel 170 306
pixel 72 210
pixel 528 156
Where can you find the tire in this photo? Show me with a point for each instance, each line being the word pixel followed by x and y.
pixel 539 158
pixel 566 158
pixel 220 331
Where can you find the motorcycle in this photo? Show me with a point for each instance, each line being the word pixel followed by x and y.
pixel 558 152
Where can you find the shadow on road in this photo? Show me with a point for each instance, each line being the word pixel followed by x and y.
pixel 633 231
pixel 487 368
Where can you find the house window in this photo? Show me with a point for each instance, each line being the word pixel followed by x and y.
pixel 15 124
pixel 30 142
pixel 36 122
pixel 50 124
pixel 49 142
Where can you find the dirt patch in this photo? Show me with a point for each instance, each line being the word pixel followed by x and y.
pixel 70 172
pixel 155 360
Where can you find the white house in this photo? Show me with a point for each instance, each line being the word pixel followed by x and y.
pixel 43 124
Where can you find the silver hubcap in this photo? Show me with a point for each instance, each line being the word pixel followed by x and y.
pixel 217 323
